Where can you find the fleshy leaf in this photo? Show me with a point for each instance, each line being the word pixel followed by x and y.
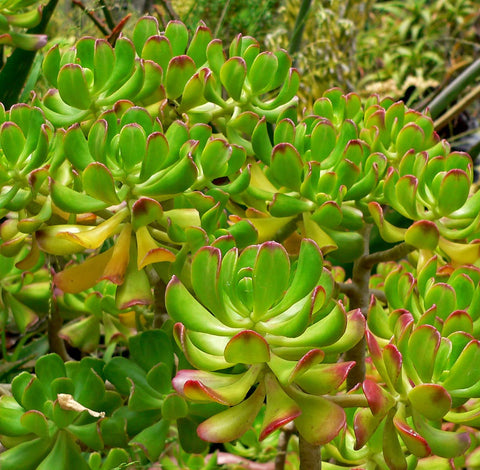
pixel 321 420
pixel 235 421
pixel 379 400
pixel 270 277
pixel 280 410
pixel 247 347
pixel 431 400
pixel 415 443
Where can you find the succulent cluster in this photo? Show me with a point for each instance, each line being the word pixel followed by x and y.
pixel 164 182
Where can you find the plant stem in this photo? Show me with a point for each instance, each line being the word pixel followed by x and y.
pixel 107 14
pixel 222 17
pixel 283 440
pixel 296 38
pixel 310 455
pixel 359 294
pixel 169 9
pixel 349 401
pixel 57 345
pixel 6 389
pixel 95 19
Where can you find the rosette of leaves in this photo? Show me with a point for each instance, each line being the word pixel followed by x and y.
pixel 92 76
pixel 20 14
pixel 116 182
pixel 24 147
pixel 435 293
pixel 170 74
pixel 55 411
pixel 201 82
pixel 425 381
pixel 152 405
pixel 420 344
pixel 278 332
pixel 351 164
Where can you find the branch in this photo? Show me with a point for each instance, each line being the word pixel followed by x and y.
pixel 57 345
pixel 285 436
pixel 6 389
pixel 107 14
pixel 455 110
pixel 96 20
pixel 113 36
pixel 169 9
pixel 392 254
pixel 379 294
pixel 348 289
pixel 351 290
pixel 310 455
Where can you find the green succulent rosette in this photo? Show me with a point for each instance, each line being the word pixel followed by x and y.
pixel 54 411
pixel 434 293
pixel 151 405
pixel 170 74
pixel 350 164
pixel 275 328
pixel 24 150
pixel 421 343
pixel 136 190
pixel 425 383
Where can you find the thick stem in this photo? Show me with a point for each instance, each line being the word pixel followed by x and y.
pixel 359 294
pixel 349 401
pixel 282 446
pixel 310 455
pixel 359 298
pixel 107 14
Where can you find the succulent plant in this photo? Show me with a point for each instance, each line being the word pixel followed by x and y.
pixel 280 331
pixel 50 413
pixel 164 182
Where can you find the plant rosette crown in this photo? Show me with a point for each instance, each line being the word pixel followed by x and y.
pixel 352 163
pixel 279 331
pixel 50 413
pixel 170 74
pixel 421 344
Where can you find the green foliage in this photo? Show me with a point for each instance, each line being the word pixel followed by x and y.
pixel 247 17
pixel 174 216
